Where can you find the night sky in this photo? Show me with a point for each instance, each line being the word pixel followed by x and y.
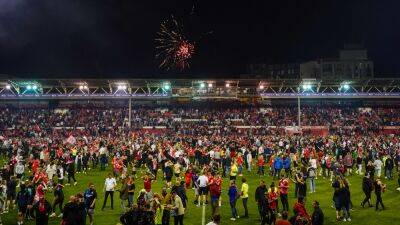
pixel 115 38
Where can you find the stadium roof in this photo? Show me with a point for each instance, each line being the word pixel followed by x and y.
pixel 197 88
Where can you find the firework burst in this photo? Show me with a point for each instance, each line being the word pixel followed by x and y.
pixel 174 49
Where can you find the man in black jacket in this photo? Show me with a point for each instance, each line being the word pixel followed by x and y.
pixel 317 216
pixel 260 199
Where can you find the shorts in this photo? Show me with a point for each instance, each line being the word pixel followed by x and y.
pixel 90 211
pixel 202 190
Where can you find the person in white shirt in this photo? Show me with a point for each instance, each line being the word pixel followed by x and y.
pixel 378 167
pixel 51 170
pixel 203 182
pixel 249 161
pixel 313 163
pixel 103 156
pixel 19 170
pixel 109 187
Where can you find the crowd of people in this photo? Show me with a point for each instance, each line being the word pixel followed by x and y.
pixel 45 148
pixel 174 117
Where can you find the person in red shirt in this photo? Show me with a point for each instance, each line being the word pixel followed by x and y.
pixel 40 190
pixel 239 162
pixel 300 210
pixel 218 183
pixel 260 164
pixel 147 183
pixel 283 192
pixel 188 178
pixel 272 197
pixel 35 165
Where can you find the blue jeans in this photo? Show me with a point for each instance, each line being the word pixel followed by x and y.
pixel 240 169
pixel 389 173
pixel 312 184
pixel 103 162
pixel 130 200
pixel 260 170
pixel 233 209
pixel 227 170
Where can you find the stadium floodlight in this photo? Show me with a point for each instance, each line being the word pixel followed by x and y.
pixel 167 86
pixel 227 85
pixel 210 85
pixel 261 87
pixel 8 87
pixel 122 87
pixel 345 86
pixel 29 87
pixel 34 87
pixel 202 85
pixel 306 87
pixel 81 87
